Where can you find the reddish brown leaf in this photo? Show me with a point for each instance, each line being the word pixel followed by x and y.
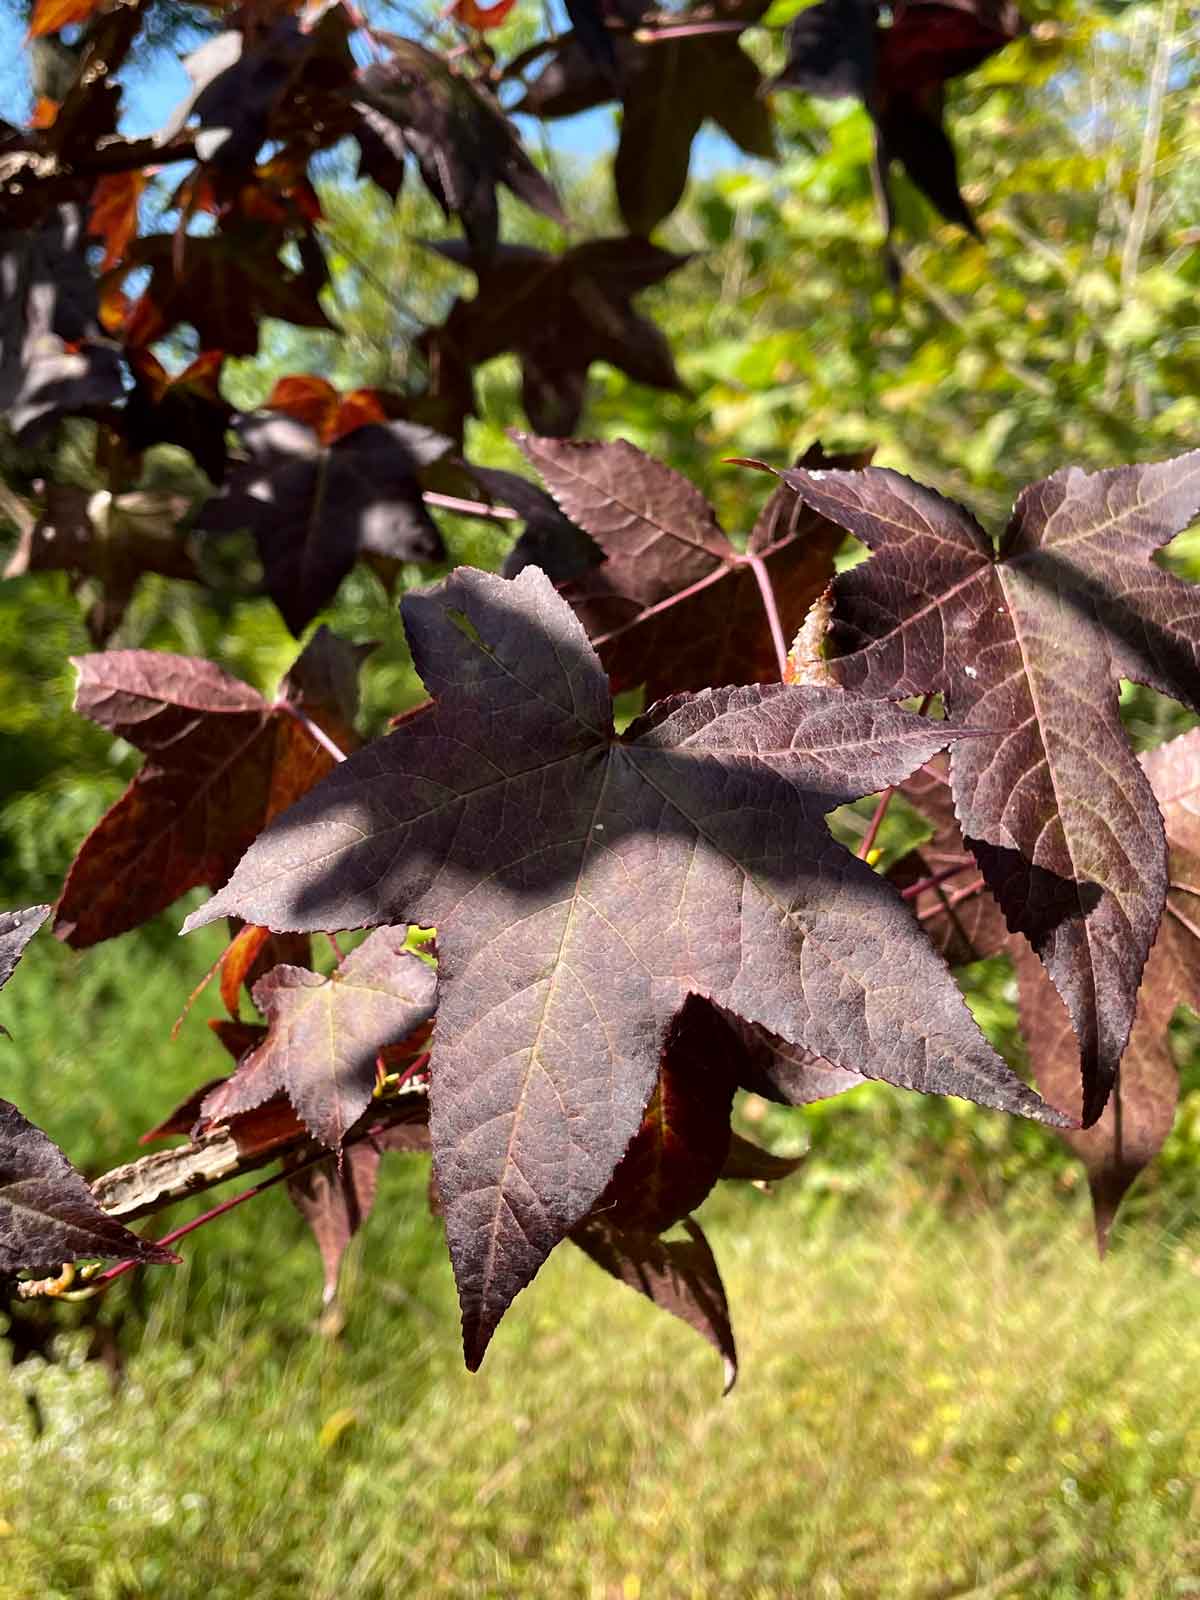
pixel 47 1213
pixel 335 1199
pixel 558 314
pixel 221 761
pixel 583 885
pixel 678 1153
pixel 1028 643
pixel 330 414
pixel 184 1117
pixel 324 1034
pixel 51 16
pixel 251 955
pixel 680 1276
pixel 675 606
pixel 481 18
pixel 114 212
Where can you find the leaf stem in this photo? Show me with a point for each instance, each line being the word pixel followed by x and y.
pixel 948 902
pixel 470 508
pixel 766 591
pixel 884 801
pixel 913 890
pixel 315 732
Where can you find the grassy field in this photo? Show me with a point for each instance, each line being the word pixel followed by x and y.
pixel 935 1401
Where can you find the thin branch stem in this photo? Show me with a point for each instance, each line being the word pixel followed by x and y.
pixel 952 900
pixel 315 732
pixel 470 508
pixel 103 1280
pixel 766 590
pixel 914 890
pixel 884 801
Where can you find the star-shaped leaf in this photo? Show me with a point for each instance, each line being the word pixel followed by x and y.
pixel 965 923
pixel 558 314
pixel 1029 642
pixel 47 1213
pixel 899 72
pixel 675 606
pixel 668 89
pixel 583 884
pixel 313 508
pixel 221 761
pixel 461 139
pixel 550 540
pixel 323 1034
pixel 52 358
pixel 186 409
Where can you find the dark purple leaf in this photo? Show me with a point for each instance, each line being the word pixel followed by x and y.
pixel 460 137
pixel 47 1213
pixel 557 314
pixel 314 508
pixel 746 1163
pixel 642 610
pixel 668 90
pixel 550 540
pixel 1030 644
pixel 323 1034
pixel 678 1275
pixel 583 884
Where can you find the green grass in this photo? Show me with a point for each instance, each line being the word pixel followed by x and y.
pixel 935 1401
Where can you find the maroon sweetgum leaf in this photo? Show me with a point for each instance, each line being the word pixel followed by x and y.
pixel 1029 641
pixel 314 508
pixel 323 1034
pixel 16 930
pixel 220 763
pixel 899 72
pixel 47 1213
pixel 244 93
pixel 668 88
pixel 336 1200
pixel 461 139
pixel 583 884
pixel 680 1149
pixel 678 1275
pixel 747 1163
pixel 966 924
pixel 549 540
pixel 557 314
pixel 108 540
pixel 184 409
pixel 675 606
